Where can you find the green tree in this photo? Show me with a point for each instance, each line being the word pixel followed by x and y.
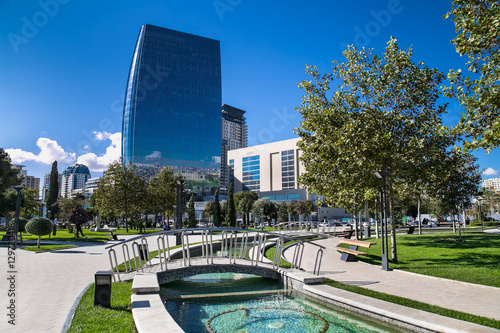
pixel 122 191
pixel 217 213
pixel 477 25
pixel 78 216
pixel 39 226
pixel 244 202
pixel 265 209
pixel 231 208
pixel 305 207
pixel 383 115
pixel 162 191
pixel 21 226
pixel 191 213
pixel 8 200
pixel 282 212
pixel 458 182
pixel 9 176
pixel 293 209
pixel 208 210
pixel 30 204
pixel 52 196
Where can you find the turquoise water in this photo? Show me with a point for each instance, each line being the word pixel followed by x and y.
pixel 207 303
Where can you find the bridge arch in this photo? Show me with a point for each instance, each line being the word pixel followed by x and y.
pixel 183 272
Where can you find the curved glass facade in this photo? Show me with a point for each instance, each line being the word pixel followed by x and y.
pixel 172 111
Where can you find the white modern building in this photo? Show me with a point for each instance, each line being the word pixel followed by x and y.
pixel 272 170
pixel 491 183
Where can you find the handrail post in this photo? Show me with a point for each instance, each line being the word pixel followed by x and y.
pixel 320 251
pixel 244 245
pixel 126 258
pixel 185 240
pixel 160 251
pixel 277 253
pixel 145 250
pixel 135 256
pixel 115 266
pixel 234 246
pixel 211 248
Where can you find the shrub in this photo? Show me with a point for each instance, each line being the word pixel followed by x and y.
pixel 22 224
pixel 39 226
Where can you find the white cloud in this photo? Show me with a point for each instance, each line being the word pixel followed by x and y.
pixel 113 152
pixel 490 172
pixel 50 151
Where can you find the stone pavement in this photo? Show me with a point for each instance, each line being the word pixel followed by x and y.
pixel 465 297
pixel 47 284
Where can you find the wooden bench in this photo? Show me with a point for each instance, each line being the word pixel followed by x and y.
pixel 347 233
pixel 351 253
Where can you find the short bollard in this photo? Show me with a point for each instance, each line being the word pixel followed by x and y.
pixel 102 295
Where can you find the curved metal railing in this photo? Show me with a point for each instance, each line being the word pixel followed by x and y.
pixel 234 244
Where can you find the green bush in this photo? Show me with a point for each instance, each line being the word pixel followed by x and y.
pixel 22 224
pixel 39 226
pixel 485 224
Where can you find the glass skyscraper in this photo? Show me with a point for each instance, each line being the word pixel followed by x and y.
pixel 172 112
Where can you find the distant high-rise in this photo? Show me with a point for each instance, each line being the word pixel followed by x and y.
pixel 28 181
pixel 74 177
pixel 172 114
pixel 234 136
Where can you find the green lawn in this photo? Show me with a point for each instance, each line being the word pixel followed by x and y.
pixel 475 258
pixel 118 318
pixel 62 235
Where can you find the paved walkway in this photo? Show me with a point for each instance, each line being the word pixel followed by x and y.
pixel 47 285
pixel 466 297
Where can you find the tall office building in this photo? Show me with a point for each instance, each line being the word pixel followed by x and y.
pixel 74 177
pixel 234 136
pixel 172 111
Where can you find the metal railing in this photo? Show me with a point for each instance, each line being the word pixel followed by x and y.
pixel 233 242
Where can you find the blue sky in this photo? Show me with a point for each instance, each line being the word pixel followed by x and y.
pixel 64 64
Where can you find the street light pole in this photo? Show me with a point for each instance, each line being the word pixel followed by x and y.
pixel 383 219
pixel 178 211
pixel 480 212
pixel 19 189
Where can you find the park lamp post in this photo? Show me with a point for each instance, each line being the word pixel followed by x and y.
pixel 18 189
pixel 178 210
pixel 383 219
pixel 479 199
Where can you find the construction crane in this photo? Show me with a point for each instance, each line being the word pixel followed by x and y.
pixel 494 190
pixel 498 203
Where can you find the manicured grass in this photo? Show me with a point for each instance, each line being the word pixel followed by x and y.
pixel 65 236
pixel 48 247
pixel 417 305
pixel 475 258
pixel 118 318
pixel 270 252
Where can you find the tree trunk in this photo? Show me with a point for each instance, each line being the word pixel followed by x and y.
pixel 376 219
pixel 394 252
pixel 419 216
pixel 38 243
